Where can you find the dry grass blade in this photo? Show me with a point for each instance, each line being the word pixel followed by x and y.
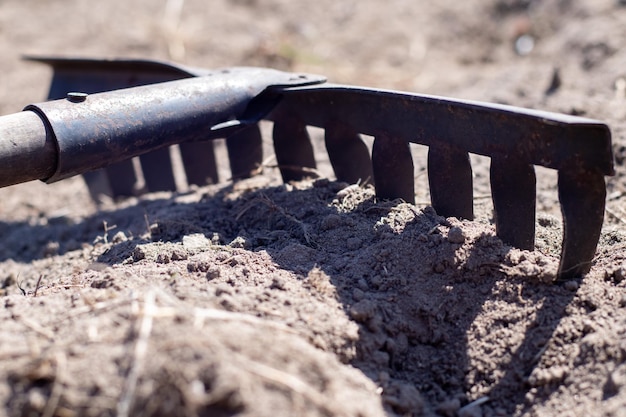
pixel 201 314
pixel 263 199
pixel 57 388
pixel 146 317
pixel 37 328
pixel 97 307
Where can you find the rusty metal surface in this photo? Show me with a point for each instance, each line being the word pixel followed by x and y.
pixel 514 193
pixel 582 193
pixel 515 139
pixel 109 127
pixel 541 138
pixel 199 163
pixel 99 75
pixel 348 154
pixel 449 169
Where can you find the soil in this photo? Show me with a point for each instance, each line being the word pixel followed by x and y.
pixel 256 298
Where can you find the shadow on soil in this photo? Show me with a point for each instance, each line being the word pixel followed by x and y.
pixel 26 242
pixel 414 322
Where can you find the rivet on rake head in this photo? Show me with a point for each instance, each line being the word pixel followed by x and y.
pixel 75 97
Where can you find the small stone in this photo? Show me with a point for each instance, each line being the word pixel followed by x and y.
pixel 119 237
pixel 213 272
pixel 304 254
pixel 376 281
pixel 404 398
pixel 332 221
pixel 278 283
pixel 524 44
pixel 179 255
pixel 195 241
pixel 353 243
pixel 216 239
pixel 106 282
pixel 571 285
pixel 163 258
pixel 358 294
pixel 362 285
pixel 363 311
pixel 155 231
pixel 381 358
pixel 239 242
pixel 198 266
pixel 59 220
pixel 139 253
pixel 236 260
pixel 456 235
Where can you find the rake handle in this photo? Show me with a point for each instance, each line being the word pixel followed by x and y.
pixel 27 151
pixel 61 138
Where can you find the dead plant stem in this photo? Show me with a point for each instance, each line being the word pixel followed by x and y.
pixel 146 317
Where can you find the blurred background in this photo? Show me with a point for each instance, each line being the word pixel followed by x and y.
pixel 441 47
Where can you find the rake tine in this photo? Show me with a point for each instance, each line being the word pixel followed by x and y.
pixel 122 180
pixel 157 170
pixel 245 152
pixel 119 189
pixel 513 191
pixel 348 153
pixel 199 162
pixel 292 145
pixel 393 169
pixel 98 184
pixel 582 193
pixel 450 182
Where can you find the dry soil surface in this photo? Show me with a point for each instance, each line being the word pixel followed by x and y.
pixel 257 298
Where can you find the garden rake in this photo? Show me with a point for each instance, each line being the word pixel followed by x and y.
pixel 102 113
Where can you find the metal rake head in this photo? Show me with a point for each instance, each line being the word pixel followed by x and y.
pixel 515 139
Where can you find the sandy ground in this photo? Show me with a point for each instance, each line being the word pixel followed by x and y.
pixel 258 298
